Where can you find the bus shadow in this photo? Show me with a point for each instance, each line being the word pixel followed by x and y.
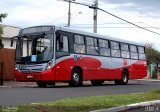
pixel 89 85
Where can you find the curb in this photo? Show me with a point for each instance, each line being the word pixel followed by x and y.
pixel 147 80
pixel 151 80
pixel 5 86
pixel 15 86
pixel 131 106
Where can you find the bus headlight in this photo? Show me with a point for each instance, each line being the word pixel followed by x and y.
pixel 17 67
pixel 49 65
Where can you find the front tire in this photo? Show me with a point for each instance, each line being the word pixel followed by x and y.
pixel 124 79
pixel 76 78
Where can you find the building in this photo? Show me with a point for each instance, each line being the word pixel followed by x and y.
pixel 8 33
pixel 7 54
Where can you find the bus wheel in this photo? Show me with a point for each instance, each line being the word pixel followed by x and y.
pixel 124 79
pixel 41 84
pixel 97 82
pixel 76 78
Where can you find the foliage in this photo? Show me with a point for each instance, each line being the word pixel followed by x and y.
pixel 2 16
pixel 152 55
pixel 154 75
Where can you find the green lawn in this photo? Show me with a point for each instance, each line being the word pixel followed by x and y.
pixel 86 104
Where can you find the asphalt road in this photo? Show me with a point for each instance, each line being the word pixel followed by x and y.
pixel 25 95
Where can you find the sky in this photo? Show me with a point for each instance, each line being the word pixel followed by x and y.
pixel 145 13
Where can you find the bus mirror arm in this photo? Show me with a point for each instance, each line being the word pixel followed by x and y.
pixel 57 34
pixel 12 40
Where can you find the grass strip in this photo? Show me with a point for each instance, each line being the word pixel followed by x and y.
pixel 86 104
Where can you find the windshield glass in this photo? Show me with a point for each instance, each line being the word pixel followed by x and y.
pixel 35 48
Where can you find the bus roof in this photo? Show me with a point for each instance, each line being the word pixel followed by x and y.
pixel 87 34
pixel 97 35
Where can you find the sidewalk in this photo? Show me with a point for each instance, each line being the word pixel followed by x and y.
pixel 150 80
pixel 146 79
pixel 11 84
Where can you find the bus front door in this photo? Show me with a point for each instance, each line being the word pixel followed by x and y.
pixel 63 56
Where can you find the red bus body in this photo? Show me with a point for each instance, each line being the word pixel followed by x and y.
pixel 91 70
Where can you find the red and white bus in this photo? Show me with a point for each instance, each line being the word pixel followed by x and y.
pixel 49 54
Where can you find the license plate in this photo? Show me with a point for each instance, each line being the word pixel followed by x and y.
pixel 29 76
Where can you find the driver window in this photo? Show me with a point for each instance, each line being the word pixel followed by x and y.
pixel 62 43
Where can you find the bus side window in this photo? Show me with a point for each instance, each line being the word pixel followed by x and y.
pixel 104 47
pixel 79 45
pixel 125 50
pixel 134 52
pixel 92 46
pixel 62 43
pixel 141 52
pixel 115 49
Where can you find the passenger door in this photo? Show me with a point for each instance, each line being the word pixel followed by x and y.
pixel 92 59
pixel 62 56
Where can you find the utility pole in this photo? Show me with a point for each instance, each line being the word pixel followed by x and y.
pixel 95 16
pixel 95 7
pixel 69 13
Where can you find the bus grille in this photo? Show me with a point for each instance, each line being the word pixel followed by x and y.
pixel 32 68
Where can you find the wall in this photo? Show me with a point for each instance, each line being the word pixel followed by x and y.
pixel 7 56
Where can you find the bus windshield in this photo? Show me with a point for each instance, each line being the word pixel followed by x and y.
pixel 34 48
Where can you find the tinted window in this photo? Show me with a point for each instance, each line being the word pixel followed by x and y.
pixel 79 46
pixel 114 45
pixel 125 50
pixel 141 52
pixel 142 56
pixel 103 43
pixel 141 49
pixel 92 50
pixel 92 46
pixel 125 54
pixel 105 51
pixel 115 53
pixel 104 47
pixel 62 43
pixel 115 49
pixel 133 48
pixel 134 55
pixel 124 47
pixel 91 41
pixel 78 39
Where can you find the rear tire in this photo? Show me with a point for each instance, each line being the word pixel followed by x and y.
pixel 97 82
pixel 124 79
pixel 41 84
pixel 76 78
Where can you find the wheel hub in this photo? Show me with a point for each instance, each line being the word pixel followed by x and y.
pixel 125 78
pixel 76 78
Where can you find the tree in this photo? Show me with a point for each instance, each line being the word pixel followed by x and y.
pixel 2 16
pixel 152 55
